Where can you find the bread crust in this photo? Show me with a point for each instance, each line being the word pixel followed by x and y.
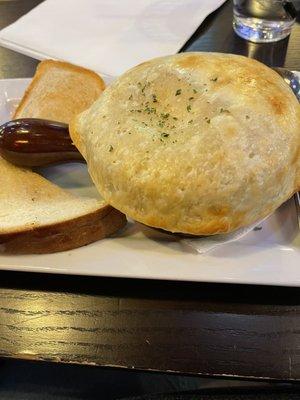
pixel 198 143
pixel 65 235
pixel 42 68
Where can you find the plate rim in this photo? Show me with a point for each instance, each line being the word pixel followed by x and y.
pixel 7 266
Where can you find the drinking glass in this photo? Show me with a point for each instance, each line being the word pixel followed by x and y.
pixel 263 21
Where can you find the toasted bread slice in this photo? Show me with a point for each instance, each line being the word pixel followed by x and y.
pixel 36 216
pixel 59 91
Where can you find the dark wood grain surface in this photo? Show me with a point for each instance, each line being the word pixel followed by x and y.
pixel 200 329
pixel 209 329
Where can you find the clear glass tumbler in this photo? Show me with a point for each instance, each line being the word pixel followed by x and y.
pixel 262 21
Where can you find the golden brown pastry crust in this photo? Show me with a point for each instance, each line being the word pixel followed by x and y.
pixel 199 143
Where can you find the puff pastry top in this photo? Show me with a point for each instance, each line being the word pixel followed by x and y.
pixel 199 143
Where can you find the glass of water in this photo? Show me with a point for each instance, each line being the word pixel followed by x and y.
pixel 262 21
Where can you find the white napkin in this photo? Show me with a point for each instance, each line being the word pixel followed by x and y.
pixel 205 244
pixel 108 36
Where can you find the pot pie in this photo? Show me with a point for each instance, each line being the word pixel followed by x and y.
pixel 197 143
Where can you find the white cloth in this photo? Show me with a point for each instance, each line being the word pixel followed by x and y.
pixel 108 36
pixel 205 244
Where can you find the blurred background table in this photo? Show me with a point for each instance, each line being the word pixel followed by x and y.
pixel 206 329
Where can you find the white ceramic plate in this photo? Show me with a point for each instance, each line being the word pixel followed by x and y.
pixel 269 256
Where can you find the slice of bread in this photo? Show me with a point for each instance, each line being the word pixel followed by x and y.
pixel 59 91
pixel 36 216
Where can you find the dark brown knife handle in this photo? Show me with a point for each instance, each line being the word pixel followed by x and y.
pixel 32 142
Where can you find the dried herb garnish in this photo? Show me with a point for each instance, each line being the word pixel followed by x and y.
pixel 150 110
pixel 154 98
pixel 110 149
pixel 140 85
pixel 214 79
pixel 223 110
pixel 130 97
pixel 178 92
pixel 189 108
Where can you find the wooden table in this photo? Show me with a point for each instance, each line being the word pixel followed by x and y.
pixel 208 329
